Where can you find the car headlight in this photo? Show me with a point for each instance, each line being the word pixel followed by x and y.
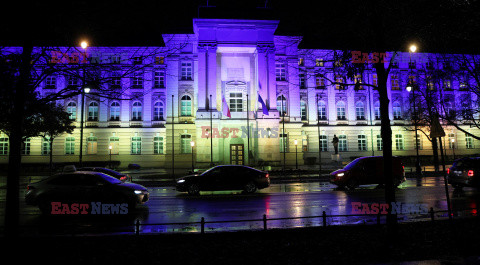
pixel 340 174
pixel 138 192
pixel 180 181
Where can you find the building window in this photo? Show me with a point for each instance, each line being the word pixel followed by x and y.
pixel 91 145
pixel 341 114
pixel 236 102
pixel 399 142
pixel 394 82
pixel 26 147
pixel 72 110
pixel 374 79
pixel 136 145
pixel 282 105
pixel 319 62
pixel 469 141
pixel 283 143
pixel 159 60
pixel 379 142
pixel 339 83
pixel 360 110
pixel 280 72
pixel 451 140
pixel 186 106
pixel 362 142
pixel 159 79
pixel 3 144
pixel 46 146
pixel 158 145
pixel 70 145
pixel 323 143
pixel 137 111
pixel 447 85
pixel 419 142
pixel 115 111
pixel 158 111
pixel 137 81
pixel 137 60
pixel 187 71
pixel 322 111
pixel 72 82
pixel 319 82
pixel 303 110
pixel 358 82
pixel 114 142
pixel 93 111
pixel 303 81
pixel 185 140
pixel 412 65
pixel 377 110
pixel 397 111
pixel 342 143
pixel 51 82
pixel 116 81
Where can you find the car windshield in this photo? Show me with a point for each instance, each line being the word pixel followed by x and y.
pixel 352 164
pixel 208 170
pixel 110 179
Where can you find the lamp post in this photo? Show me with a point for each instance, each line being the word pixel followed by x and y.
pixel 319 142
pixel 84 90
pixel 192 144
pixel 411 88
pixel 296 151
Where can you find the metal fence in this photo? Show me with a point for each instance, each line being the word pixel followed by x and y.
pixel 323 220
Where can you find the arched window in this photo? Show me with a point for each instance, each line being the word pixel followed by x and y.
pixel 137 111
pixel 282 105
pixel 93 111
pixel 449 111
pixel 72 110
pixel 397 111
pixel 158 111
pixel 322 111
pixel 115 111
pixel 360 110
pixel 377 110
pixel 341 113
pixel 303 110
pixel 186 106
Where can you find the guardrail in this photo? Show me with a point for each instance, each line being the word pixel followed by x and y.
pixel 137 227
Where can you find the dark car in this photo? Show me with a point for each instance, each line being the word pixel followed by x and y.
pixel 84 187
pixel 464 172
pixel 367 170
pixel 121 176
pixel 226 177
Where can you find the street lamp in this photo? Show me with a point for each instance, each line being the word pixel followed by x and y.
pixel 192 144
pixel 296 159
pixel 84 90
pixel 413 48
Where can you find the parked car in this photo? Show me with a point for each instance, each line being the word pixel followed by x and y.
pixel 121 176
pixel 464 172
pixel 226 177
pixel 84 187
pixel 367 170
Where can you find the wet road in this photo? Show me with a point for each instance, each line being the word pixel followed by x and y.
pixel 278 201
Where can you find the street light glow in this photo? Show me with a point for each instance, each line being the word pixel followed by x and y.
pixel 413 48
pixel 86 90
pixel 84 44
pixel 110 147
pixel 295 141
pixel 192 143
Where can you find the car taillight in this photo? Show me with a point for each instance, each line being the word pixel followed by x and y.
pixel 123 178
pixel 30 187
pixel 448 170
pixel 470 173
pixel 267 175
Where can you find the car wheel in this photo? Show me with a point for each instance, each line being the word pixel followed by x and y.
pixel 352 184
pixel 193 189
pixel 250 187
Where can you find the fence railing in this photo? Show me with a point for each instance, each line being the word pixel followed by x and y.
pixel 137 227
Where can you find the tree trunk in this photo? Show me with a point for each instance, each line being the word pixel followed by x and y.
pixel 12 205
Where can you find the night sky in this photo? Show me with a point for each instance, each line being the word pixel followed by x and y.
pixel 445 25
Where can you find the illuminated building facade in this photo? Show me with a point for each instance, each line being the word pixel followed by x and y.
pixel 175 99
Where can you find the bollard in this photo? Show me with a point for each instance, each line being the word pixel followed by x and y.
pixel 432 214
pixel 324 219
pixel 202 222
pixel 264 222
pixel 137 227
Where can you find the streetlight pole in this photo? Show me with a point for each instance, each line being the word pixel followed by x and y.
pixel 453 148
pixel 110 149
pixel 211 130
pixel 173 138
pixel 84 90
pixel 413 87
pixel 319 143
pixel 192 144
